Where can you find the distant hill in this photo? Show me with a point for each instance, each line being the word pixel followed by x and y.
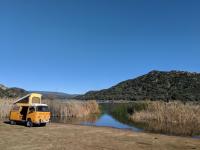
pixel 6 92
pixel 14 92
pixel 54 95
pixel 156 85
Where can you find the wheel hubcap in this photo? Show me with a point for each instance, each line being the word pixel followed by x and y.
pixel 28 123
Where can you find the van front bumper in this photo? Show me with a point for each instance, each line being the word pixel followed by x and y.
pixel 42 121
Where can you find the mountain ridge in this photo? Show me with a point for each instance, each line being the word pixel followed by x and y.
pixel 14 92
pixel 55 95
pixel 155 85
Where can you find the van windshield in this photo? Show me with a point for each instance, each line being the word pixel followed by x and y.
pixel 42 108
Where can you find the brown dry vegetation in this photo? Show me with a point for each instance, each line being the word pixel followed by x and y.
pixel 58 108
pixel 171 118
pixel 72 108
pixel 5 107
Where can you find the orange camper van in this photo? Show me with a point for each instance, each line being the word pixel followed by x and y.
pixel 30 111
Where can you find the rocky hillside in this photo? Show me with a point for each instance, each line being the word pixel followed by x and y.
pixel 156 85
pixel 6 92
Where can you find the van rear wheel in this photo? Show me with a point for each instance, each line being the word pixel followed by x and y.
pixel 29 123
pixel 12 122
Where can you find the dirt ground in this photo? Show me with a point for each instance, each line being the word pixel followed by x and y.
pixel 76 137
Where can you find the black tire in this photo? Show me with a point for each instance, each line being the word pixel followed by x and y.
pixel 29 123
pixel 42 124
pixel 12 122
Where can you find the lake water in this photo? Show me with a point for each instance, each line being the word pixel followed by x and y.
pixel 105 119
pixel 114 120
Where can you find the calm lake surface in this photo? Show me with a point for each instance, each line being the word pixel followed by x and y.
pixel 105 119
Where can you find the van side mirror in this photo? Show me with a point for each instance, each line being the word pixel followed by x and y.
pixel 30 112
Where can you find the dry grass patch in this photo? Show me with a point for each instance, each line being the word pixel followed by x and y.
pixel 72 108
pixel 5 107
pixel 59 108
pixel 171 118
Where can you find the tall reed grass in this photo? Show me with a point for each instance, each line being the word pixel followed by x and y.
pixel 58 108
pixel 72 108
pixel 172 118
pixel 5 107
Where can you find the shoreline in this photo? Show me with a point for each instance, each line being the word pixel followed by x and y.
pixel 109 127
pixel 81 137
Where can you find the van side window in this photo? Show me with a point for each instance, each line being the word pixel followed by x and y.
pixel 42 108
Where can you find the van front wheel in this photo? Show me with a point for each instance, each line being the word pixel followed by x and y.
pixel 42 124
pixel 29 123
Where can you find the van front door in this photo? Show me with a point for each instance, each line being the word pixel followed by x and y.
pixel 24 112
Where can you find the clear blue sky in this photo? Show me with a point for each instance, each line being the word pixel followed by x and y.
pixel 79 45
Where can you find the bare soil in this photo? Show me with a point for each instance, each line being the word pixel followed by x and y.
pixel 75 137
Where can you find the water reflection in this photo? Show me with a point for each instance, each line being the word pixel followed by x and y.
pixel 72 120
pixel 118 118
pixel 104 119
pixel 107 120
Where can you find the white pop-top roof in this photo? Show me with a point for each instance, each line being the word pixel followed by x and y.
pixel 27 96
pixel 37 104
